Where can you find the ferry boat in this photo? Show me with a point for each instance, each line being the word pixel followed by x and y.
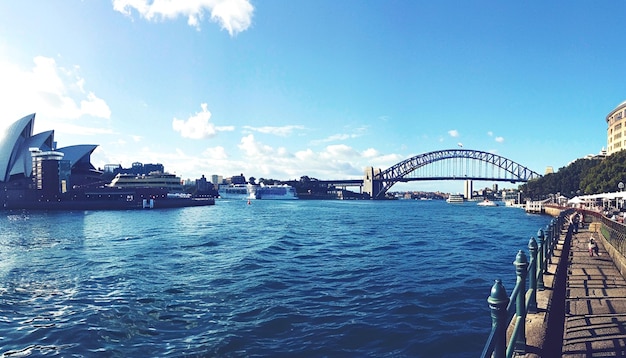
pixel 487 202
pixel 272 192
pixel 455 198
pixel 233 191
pixel 167 181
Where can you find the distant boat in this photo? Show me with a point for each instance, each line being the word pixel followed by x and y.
pixel 233 191
pixel 455 198
pixel 272 192
pixel 487 202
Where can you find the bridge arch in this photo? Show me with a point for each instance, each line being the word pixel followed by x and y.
pixel 461 166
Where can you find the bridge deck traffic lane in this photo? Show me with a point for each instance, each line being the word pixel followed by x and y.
pixel 595 303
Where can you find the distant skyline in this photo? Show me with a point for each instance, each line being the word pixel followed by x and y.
pixel 320 88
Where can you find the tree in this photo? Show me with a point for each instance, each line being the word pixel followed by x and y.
pixel 567 180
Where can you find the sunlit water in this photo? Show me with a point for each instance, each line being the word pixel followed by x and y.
pixel 275 278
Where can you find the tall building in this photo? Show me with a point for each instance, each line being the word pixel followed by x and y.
pixel 616 131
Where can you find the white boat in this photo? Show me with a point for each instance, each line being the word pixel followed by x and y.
pixel 168 181
pixel 272 192
pixel 487 202
pixel 233 191
pixel 455 198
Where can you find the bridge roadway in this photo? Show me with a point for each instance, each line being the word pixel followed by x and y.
pixel 582 311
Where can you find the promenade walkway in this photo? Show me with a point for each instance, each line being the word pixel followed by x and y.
pixel 582 311
pixel 595 301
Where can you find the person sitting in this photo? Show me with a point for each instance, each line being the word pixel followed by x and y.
pixel 593 247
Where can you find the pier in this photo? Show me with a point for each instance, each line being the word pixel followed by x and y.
pixel 577 307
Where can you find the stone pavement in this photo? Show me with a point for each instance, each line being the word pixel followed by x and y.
pixel 595 301
pixel 582 311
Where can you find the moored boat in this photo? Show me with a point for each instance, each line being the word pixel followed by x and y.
pixel 272 192
pixel 170 182
pixel 233 191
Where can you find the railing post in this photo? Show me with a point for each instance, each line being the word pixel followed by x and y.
pixel 532 276
pixel 521 268
pixel 541 263
pixel 498 301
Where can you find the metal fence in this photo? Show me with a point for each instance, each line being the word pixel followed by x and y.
pixel 522 301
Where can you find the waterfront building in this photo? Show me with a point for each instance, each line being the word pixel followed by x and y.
pixel 18 147
pixel 616 131
pixel 35 174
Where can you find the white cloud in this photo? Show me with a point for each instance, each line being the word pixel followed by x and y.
pixel 254 149
pixel 357 132
pixel 218 153
pixel 283 131
pixel 334 138
pixel 500 139
pixel 261 160
pixel 370 153
pixel 453 133
pixel 198 126
pixel 233 16
pixel 48 89
pixel 70 128
pixel 339 151
pixel 490 133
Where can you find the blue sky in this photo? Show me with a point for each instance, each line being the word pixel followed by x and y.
pixel 282 89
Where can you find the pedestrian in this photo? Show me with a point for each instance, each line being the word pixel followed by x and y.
pixel 575 221
pixel 582 221
pixel 592 247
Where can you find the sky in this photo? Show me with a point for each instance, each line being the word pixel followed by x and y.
pixel 283 89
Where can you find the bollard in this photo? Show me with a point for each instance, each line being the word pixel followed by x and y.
pixel 498 301
pixel 532 276
pixel 521 269
pixel 541 263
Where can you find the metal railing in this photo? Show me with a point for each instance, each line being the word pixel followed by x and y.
pixel 504 309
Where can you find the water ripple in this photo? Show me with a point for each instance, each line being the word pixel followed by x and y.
pixel 331 279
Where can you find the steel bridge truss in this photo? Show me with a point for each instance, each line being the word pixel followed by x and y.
pixel 454 164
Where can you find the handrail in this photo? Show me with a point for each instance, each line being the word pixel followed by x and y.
pixel 521 302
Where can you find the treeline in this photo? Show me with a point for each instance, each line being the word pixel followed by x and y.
pixel 582 177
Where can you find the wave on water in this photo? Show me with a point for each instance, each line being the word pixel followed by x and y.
pixel 311 278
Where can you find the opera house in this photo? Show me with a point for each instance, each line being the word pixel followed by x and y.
pixel 35 174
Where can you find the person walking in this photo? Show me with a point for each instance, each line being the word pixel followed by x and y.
pixel 576 221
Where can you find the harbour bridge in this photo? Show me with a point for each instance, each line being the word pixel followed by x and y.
pixel 448 164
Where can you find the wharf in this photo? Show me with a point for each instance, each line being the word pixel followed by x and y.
pixel 582 311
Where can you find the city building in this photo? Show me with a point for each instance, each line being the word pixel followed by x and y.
pixel 616 131
pixel 35 174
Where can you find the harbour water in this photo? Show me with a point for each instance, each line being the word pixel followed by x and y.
pixel 301 278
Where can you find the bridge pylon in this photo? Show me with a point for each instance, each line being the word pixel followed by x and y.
pixel 372 182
